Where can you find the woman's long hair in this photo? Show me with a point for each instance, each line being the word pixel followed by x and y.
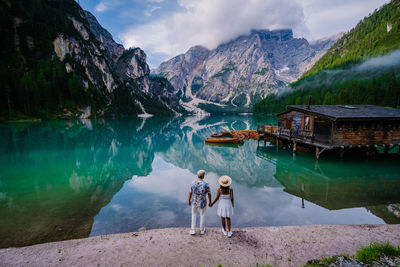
pixel 224 189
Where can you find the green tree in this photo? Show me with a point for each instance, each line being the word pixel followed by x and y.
pixel 327 99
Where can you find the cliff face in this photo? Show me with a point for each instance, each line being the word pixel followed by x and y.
pixel 114 66
pixel 241 72
pixel 98 76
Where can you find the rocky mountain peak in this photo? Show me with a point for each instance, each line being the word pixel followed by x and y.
pixel 240 72
pixel 277 35
pixel 132 64
pixel 112 49
pixel 326 42
pixel 84 73
pixel 198 51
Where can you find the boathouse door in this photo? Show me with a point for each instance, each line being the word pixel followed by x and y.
pixel 296 123
pixel 322 131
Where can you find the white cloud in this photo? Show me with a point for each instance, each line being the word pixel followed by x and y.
pixel 209 22
pixel 106 5
pixel 325 18
pixel 101 7
pixel 149 11
pixel 155 1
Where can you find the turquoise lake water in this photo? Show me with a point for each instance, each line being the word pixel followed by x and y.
pixel 73 179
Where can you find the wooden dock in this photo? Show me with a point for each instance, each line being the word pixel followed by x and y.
pixel 339 128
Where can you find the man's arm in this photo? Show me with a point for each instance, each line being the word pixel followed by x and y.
pixel 216 198
pixel 190 197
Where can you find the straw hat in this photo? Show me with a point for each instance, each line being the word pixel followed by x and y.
pixel 201 173
pixel 225 180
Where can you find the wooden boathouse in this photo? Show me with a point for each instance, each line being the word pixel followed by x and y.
pixel 337 127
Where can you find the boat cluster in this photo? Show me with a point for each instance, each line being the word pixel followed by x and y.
pixel 232 137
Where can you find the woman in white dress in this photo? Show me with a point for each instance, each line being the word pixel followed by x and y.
pixel 225 205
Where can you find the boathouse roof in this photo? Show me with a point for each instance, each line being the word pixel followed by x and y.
pixel 347 111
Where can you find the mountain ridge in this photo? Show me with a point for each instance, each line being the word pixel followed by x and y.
pixel 59 62
pixel 362 67
pixel 375 35
pixel 239 72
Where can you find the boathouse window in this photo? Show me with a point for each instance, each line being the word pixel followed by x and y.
pixel 373 125
pixel 395 126
pixel 365 127
pixel 350 126
pixel 339 126
pixel 287 124
pixel 355 126
pixel 307 124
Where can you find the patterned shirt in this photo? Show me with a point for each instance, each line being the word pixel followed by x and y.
pixel 200 189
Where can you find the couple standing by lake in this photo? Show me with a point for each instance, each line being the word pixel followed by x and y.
pixel 198 201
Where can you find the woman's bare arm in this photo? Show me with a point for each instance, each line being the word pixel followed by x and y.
pixel 216 198
pixel 231 193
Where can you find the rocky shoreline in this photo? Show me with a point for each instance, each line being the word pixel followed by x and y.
pixel 277 246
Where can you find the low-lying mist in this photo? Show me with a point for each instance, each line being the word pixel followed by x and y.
pixel 373 67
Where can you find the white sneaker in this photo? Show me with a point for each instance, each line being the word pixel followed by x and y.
pixel 202 232
pixel 230 233
pixel 192 232
pixel 223 231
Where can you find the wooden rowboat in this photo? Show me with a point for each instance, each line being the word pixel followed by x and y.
pixel 227 140
pixel 227 134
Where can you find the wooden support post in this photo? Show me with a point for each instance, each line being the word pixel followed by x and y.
pixel 371 151
pixel 341 154
pixel 265 141
pixel 386 149
pixel 318 152
pixel 294 147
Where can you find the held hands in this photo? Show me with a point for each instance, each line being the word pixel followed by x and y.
pixel 190 203
pixel 210 204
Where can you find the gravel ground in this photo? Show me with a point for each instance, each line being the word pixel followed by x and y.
pixel 278 246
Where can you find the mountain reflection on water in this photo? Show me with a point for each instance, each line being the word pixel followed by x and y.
pixel 72 179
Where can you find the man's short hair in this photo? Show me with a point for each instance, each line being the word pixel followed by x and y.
pixel 201 173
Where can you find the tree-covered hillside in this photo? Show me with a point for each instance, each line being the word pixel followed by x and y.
pixel 360 68
pixel 58 62
pixel 383 91
pixel 371 37
pixel 34 83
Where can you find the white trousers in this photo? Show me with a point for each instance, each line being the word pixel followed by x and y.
pixel 202 215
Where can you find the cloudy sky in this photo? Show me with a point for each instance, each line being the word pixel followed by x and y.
pixel 166 28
